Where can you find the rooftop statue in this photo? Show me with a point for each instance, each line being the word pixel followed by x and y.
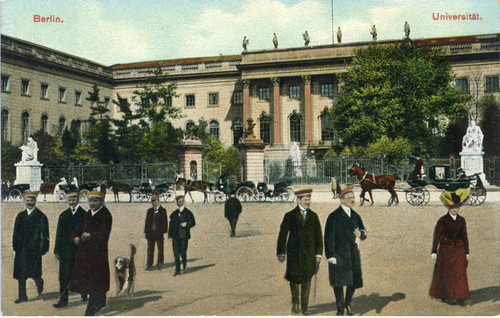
pixel 275 41
pixel 339 35
pixel 245 43
pixel 373 32
pixel 306 38
pixel 407 29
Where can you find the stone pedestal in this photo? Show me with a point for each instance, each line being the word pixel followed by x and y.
pixel 191 159
pixel 29 172
pixel 472 162
pixel 251 159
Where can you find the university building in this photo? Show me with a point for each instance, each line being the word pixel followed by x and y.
pixel 285 91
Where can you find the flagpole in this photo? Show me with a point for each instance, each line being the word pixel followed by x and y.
pixel 333 31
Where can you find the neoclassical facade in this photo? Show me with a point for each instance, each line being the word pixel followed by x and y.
pixel 284 91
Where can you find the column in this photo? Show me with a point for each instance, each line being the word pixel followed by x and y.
pixel 308 124
pixel 276 111
pixel 246 100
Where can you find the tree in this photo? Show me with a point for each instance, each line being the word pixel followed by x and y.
pixel 395 91
pixel 46 148
pixel 129 135
pixel 451 144
pixel 490 125
pixel 10 155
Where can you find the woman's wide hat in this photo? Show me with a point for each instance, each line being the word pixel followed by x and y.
pixel 455 199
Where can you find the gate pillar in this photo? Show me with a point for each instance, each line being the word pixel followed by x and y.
pixel 191 158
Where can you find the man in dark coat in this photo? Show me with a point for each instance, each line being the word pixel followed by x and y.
pixel 344 230
pixel 30 241
pixel 300 239
pixel 232 210
pixel 155 228
pixel 65 249
pixel 91 271
pixel 181 222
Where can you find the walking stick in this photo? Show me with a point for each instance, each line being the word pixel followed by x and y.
pixel 316 281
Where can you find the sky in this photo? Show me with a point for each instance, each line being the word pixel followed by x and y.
pixel 123 31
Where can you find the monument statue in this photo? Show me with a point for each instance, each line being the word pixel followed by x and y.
pixel 407 29
pixel 275 41
pixel 306 38
pixel 473 139
pixel 30 150
pixel 245 43
pixel 296 159
pixel 373 32
pixel 339 35
pixel 248 133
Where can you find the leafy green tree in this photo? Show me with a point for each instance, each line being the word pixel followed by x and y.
pixel 490 125
pixel 129 135
pixel 160 142
pixel 46 149
pixel 395 91
pixel 451 144
pixel 396 149
pixel 10 155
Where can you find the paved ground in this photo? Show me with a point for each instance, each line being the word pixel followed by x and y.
pixel 241 276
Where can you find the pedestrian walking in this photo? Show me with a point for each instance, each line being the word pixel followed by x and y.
pixel 65 249
pixel 300 242
pixel 30 242
pixel 232 211
pixel 181 222
pixel 450 250
pixel 91 270
pixel 344 231
pixel 155 228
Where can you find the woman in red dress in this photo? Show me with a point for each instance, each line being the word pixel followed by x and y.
pixel 450 250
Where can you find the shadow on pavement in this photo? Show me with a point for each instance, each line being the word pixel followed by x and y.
pixel 172 264
pixel 197 268
pixel 247 233
pixel 123 304
pixel 361 304
pixel 485 294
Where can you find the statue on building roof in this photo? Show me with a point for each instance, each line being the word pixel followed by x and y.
pixel 306 38
pixel 275 41
pixel 339 35
pixel 407 29
pixel 373 32
pixel 245 43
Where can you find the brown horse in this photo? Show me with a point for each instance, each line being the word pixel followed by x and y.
pixel 119 187
pixel 369 182
pixel 198 185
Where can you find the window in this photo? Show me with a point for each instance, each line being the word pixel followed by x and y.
pixel 44 91
pixel 238 97
pixel 214 129
pixel 5 83
pixel 190 126
pixel 62 124
pixel 264 93
pixel 327 131
pixel 295 91
pixel 25 87
pixel 145 102
pixel 5 124
pixel 295 128
pixel 76 125
pixel 78 98
pixel 237 130
pixel 190 101
pixel 326 90
pixel 106 102
pixel 168 101
pixel 45 123
pixel 25 126
pixel 213 99
pixel 462 84
pixel 492 84
pixel 265 129
pixel 62 94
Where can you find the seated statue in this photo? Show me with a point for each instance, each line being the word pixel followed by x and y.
pixel 30 150
pixel 473 139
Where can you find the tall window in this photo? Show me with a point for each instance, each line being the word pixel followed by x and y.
pixel 44 91
pixel 25 126
pixel 76 125
pixel 106 102
pixel 327 131
pixel 214 129
pixel 190 126
pixel 145 102
pixel 326 90
pixel 264 93
pixel 78 98
pixel 492 84
pixel 5 83
pixel 62 94
pixel 265 129
pixel 237 130
pixel 238 97
pixel 45 123
pixel 5 124
pixel 213 99
pixel 190 101
pixel 462 84
pixel 168 101
pixel 295 128
pixel 25 87
pixel 295 91
pixel 62 124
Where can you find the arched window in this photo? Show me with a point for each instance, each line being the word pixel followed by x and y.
pixel 78 126
pixel 5 124
pixel 62 124
pixel 265 129
pixel 327 131
pixel 190 126
pixel 237 130
pixel 45 122
pixel 25 126
pixel 295 128
pixel 193 167
pixel 214 129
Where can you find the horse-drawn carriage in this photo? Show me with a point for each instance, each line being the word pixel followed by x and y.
pixel 244 191
pixel 280 192
pixel 14 193
pixel 440 178
pixel 62 188
pixel 144 192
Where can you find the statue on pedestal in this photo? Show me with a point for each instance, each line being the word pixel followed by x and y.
pixel 245 43
pixel 473 139
pixel 339 35
pixel 407 29
pixel 306 38
pixel 275 41
pixel 248 133
pixel 30 150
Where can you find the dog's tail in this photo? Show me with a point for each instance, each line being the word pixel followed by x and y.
pixel 133 250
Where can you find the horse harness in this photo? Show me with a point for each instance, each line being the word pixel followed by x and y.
pixel 364 178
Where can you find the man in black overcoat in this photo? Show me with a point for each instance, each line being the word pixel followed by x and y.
pixel 155 228
pixel 232 210
pixel 181 222
pixel 300 241
pixel 65 249
pixel 344 230
pixel 30 241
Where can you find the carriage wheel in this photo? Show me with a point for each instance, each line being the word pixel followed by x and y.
pixel 15 195
pixel 136 196
pixel 244 194
pixel 168 195
pixel 417 196
pixel 260 196
pixel 61 196
pixel 159 191
pixel 477 196
pixel 219 196
pixel 84 195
